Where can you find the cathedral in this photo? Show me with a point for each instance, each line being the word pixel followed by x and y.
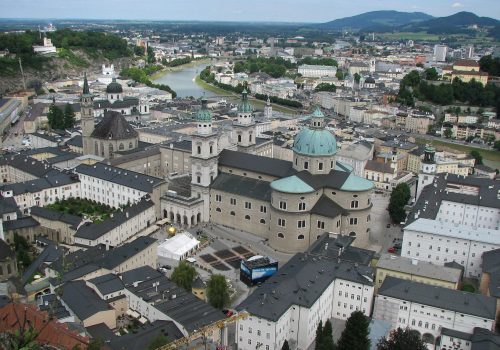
pixel 223 177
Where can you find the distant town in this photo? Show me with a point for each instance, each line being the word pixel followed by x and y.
pixel 246 186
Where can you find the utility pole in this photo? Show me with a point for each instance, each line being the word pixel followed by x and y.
pixel 22 73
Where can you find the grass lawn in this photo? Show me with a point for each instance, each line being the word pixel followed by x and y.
pixel 83 208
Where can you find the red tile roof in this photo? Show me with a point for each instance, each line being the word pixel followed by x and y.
pixel 51 332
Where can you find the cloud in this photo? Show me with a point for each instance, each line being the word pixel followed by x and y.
pixel 456 5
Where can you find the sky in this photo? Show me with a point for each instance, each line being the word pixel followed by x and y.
pixel 235 10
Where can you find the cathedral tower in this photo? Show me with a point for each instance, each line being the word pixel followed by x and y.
pixel 244 126
pixel 87 117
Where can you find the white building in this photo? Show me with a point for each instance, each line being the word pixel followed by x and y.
pixel 356 155
pixel 306 290
pixel 314 71
pixel 46 49
pixel 119 227
pixel 440 53
pixel 427 309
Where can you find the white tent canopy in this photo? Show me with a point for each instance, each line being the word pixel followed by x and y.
pixel 178 247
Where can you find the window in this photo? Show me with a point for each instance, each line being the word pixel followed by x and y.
pixel 232 213
pixel 280 235
pixel 262 221
pixel 281 222
pixel 321 224
pixel 263 209
pixel 248 205
pixel 282 205
pixel 306 165
pixel 233 201
pixel 199 149
pixel 302 206
pixel 353 221
pixel 320 166
pixel 198 179
pixel 300 237
pixel 218 210
pixel 354 204
pixel 301 223
pixel 218 198
pixel 239 138
pixel 247 217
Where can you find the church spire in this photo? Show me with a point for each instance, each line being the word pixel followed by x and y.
pixel 86 89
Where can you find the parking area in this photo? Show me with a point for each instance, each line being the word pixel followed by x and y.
pixel 383 234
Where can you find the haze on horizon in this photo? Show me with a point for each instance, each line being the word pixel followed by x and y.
pixel 235 10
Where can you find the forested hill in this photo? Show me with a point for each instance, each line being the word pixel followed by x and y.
pixel 76 52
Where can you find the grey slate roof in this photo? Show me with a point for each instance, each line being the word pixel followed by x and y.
pixel 52 179
pixel 120 176
pixel 264 165
pixel 301 282
pixel 327 208
pixel 82 300
pixel 114 127
pixel 54 215
pixel 244 186
pixel 6 253
pixel 20 223
pixel 50 254
pixel 176 302
pixel 107 284
pixel 439 297
pixel 8 205
pixel 76 141
pixel 92 231
pixel 26 164
pixel 139 274
pixel 379 167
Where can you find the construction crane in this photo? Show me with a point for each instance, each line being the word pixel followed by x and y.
pixel 200 333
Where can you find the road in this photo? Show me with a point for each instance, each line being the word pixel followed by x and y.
pixel 454 142
pixel 381 236
pixel 11 140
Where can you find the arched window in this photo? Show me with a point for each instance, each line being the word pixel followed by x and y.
pixel 302 206
pixel 96 146
pixel 232 213
pixel 250 138
pixel 199 149
pixel 352 234
pixel 300 237
pixel 121 147
pixel 110 149
pixel 247 217
pixel 211 149
pixel 262 221
pixel 130 145
pixel 280 235
pixel 239 138
pixel 218 210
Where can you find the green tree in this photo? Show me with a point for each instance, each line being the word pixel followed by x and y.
pixel 355 334
pixel 327 337
pixel 157 342
pixel 431 74
pixel 95 344
pixel 357 78
pixel 218 291
pixel 339 74
pixel 285 345
pixel 448 133
pixel 399 198
pixel 138 50
pixel 69 116
pixel 496 145
pixel 325 87
pixel 477 156
pixel 55 117
pixel 319 335
pixel 402 339
pixel 184 275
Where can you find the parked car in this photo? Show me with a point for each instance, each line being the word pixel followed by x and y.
pixel 391 250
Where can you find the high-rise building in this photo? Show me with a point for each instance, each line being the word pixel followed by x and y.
pixel 440 53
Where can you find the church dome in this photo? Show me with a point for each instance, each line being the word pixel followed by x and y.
pixel 114 127
pixel 203 114
pixel 315 142
pixel 244 106
pixel 114 87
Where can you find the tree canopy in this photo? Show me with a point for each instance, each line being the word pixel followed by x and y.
pixel 319 61
pixel 490 64
pixel 399 198
pixel 325 87
pixel 55 117
pixel 402 339
pixel 184 275
pixel 158 341
pixel 218 291
pixel 477 156
pixel 355 334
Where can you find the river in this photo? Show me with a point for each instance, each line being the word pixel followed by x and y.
pixel 182 81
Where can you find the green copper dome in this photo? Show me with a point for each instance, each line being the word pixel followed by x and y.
pixel 291 184
pixel 315 142
pixel 114 87
pixel 317 113
pixel 244 106
pixel 204 114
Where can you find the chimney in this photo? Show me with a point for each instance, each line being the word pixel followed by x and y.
pixel 126 215
pixel 414 262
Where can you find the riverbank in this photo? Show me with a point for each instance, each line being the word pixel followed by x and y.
pixel 167 70
pixel 259 103
pixel 491 158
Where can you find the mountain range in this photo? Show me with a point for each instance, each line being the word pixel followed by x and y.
pixel 385 21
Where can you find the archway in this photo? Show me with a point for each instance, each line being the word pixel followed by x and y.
pixel 193 220
pixel 198 217
pixel 428 338
pixel 178 218
pixel 165 214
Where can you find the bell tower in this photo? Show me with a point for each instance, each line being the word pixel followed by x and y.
pixel 244 125
pixel 87 117
pixel 204 158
